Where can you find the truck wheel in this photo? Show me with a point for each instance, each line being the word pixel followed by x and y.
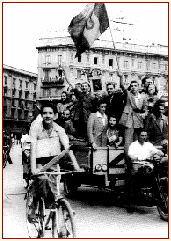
pixel 163 211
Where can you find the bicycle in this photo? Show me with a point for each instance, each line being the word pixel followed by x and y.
pixel 59 222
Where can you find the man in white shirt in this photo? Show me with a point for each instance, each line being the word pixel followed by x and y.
pixel 141 150
pixel 138 151
pixel 47 138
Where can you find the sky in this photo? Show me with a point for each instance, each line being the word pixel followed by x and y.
pixel 25 23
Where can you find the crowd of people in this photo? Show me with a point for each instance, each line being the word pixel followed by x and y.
pixel 120 117
pixel 113 118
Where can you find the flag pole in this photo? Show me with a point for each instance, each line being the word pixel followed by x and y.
pixel 114 46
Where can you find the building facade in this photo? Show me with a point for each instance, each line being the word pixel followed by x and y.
pixel 19 98
pixel 57 64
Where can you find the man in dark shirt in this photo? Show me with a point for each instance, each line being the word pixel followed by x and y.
pixel 7 143
pixel 115 101
pixel 86 101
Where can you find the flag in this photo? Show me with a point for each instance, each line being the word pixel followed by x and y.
pixel 87 26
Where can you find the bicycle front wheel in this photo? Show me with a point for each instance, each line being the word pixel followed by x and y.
pixel 35 227
pixel 63 225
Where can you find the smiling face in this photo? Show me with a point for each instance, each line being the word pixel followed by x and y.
pixel 112 121
pixel 110 89
pixel 63 97
pixel 148 82
pixel 84 88
pixel 48 115
pixel 134 87
pixel 151 89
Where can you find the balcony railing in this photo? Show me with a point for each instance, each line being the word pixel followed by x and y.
pixel 53 80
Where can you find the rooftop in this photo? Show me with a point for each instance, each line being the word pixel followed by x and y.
pixel 105 44
pixel 20 71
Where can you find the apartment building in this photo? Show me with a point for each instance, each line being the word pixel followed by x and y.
pixel 19 98
pixel 57 64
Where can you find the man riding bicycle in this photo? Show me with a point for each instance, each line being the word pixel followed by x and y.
pixel 138 152
pixel 47 139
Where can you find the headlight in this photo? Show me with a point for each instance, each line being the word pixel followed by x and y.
pixel 27 153
pixel 104 167
pixel 98 168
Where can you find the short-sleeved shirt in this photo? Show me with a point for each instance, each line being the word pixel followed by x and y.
pixel 48 145
pixel 142 152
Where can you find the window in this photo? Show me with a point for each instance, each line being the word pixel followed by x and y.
pixel 20 83
pixel 111 62
pixel 46 74
pixel 13 93
pixel 34 86
pixel 79 58
pixel 133 61
pixel 95 60
pixel 26 95
pixel 20 94
pixel 47 59
pixel 5 91
pixel 25 115
pixel 27 84
pixel 13 82
pixel 12 113
pixel 60 72
pixel 5 80
pixel 13 102
pixel 34 96
pixel 126 64
pixel 154 65
pixel 78 74
pixel 44 93
pixel 148 65
pixel 48 92
pixel 166 67
pixel 103 58
pixel 139 65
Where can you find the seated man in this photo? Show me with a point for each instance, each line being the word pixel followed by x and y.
pixel 47 138
pixel 139 150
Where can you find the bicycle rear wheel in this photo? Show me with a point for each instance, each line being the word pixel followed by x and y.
pixel 63 225
pixel 35 228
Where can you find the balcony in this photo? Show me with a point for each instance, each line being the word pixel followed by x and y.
pixel 53 81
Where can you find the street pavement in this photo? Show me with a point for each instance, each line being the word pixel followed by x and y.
pixel 97 215
pixel 13 198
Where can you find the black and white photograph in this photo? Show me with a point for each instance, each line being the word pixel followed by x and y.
pixel 85 120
